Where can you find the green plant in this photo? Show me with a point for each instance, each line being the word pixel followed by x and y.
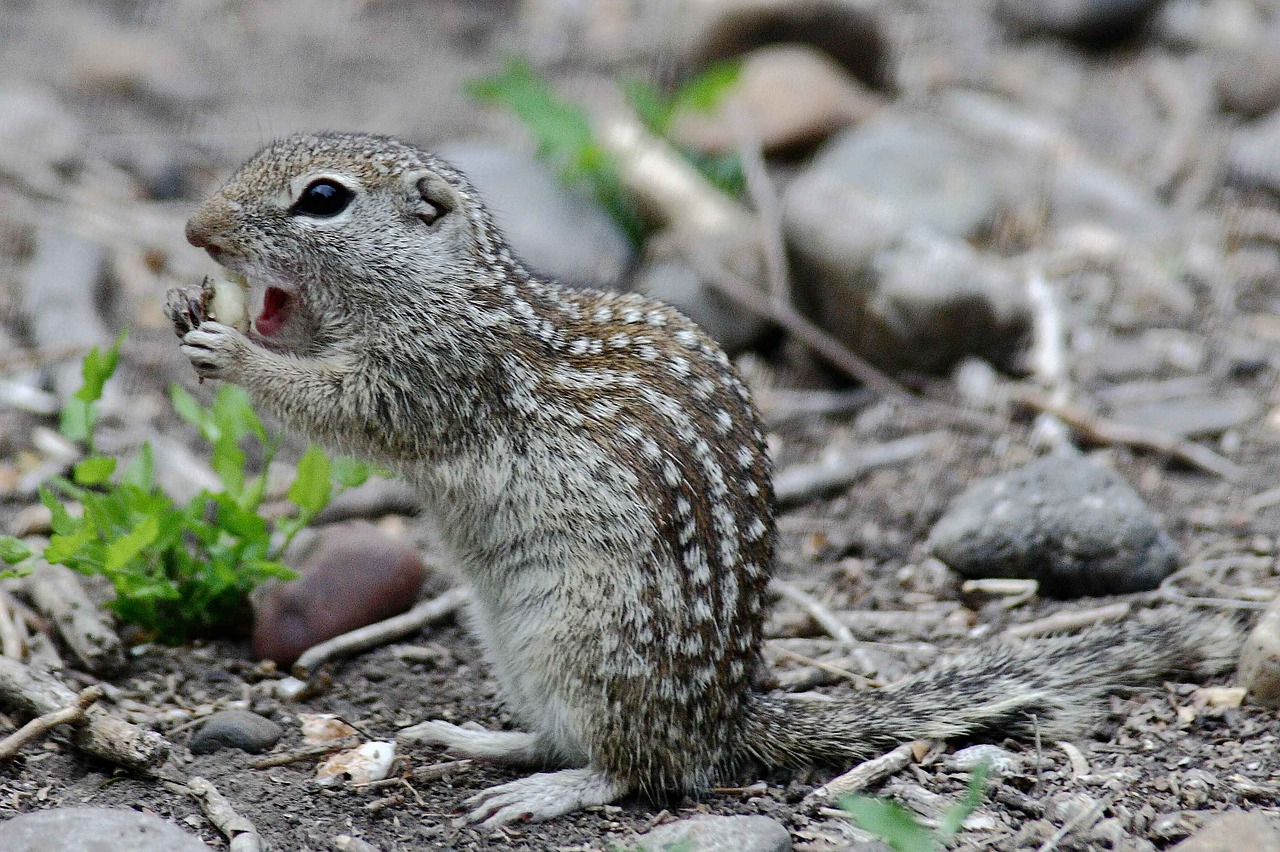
pixel 564 138
pixel 179 571
pixel 899 828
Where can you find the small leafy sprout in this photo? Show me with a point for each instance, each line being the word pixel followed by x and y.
pixel 179 571
pixel 564 137
pixel 899 827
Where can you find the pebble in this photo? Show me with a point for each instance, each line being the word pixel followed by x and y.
pixel 1073 525
pixel 1198 416
pixel 236 729
pixel 1234 831
pixel 356 575
pixel 1259 668
pixel 712 833
pixel 792 97
pixel 556 231
pixel 1253 155
pixel 1092 23
pixel 94 830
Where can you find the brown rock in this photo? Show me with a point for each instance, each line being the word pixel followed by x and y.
pixel 792 95
pixel 356 575
pixel 1234 831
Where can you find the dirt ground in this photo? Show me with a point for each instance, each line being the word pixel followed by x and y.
pixel 181 91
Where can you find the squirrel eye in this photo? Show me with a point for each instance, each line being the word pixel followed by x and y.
pixel 323 197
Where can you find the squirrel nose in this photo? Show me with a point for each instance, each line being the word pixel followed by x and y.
pixel 200 233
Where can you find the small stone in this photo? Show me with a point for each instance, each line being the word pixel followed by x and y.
pixel 1075 526
pixel 1234 831
pixel 355 575
pixel 792 96
pixel 236 729
pixel 1259 669
pixel 1196 416
pixel 564 234
pixel 94 830
pixel 717 834
pixel 1092 23
pixel 999 760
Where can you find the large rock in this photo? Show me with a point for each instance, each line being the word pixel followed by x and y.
pixel 1234 831
pixel 556 231
pixel 712 833
pixel 236 729
pixel 1073 525
pixel 1093 23
pixel 94 830
pixel 792 96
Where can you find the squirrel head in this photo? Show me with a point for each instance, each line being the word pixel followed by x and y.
pixel 337 228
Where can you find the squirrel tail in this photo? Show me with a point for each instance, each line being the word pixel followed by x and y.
pixel 1055 686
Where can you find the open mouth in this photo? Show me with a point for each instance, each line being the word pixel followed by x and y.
pixel 276 306
pixel 234 294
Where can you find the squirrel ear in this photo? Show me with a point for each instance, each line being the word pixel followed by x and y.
pixel 433 197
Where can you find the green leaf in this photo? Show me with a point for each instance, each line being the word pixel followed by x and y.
pixel 76 423
pixel 62 548
pixel 62 523
pixel 95 470
pixel 123 550
pixel 653 107
pixel 190 410
pixel 141 472
pixel 891 822
pixel 312 486
pixel 233 412
pixel 97 368
pixel 228 461
pixel 13 550
pixel 705 91
pixel 350 472
pixel 957 813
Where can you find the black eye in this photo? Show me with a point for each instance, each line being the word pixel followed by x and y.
pixel 323 197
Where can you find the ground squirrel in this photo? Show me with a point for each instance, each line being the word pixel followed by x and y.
pixel 599 475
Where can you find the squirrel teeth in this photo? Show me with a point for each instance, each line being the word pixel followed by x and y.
pixel 228 303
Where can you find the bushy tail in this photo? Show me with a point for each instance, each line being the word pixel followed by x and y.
pixel 1056 685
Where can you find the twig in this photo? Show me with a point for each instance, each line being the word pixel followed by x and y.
pixel 1103 431
pixel 34 693
pixel 764 198
pixel 425 613
pixel 309 752
pixel 838 469
pixel 1048 358
pixel 56 591
pixel 861 776
pixel 816 610
pixel 241 834
pixel 11 638
pixel 1085 818
pixel 72 714
pixel 1079 764
pixel 1061 622
pixel 1262 500
pixel 826 667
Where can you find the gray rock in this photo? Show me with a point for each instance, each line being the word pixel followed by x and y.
pixel 236 729
pixel 1073 525
pixel 1195 416
pixel 1094 23
pixel 1086 192
pixel 94 830
pixel 925 172
pixel 718 834
pixel 558 232
pixel 1249 81
pixel 1234 831
pixel 1253 155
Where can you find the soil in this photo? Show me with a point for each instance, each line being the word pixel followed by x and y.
pixel 226 79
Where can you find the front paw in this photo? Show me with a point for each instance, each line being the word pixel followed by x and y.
pixel 217 351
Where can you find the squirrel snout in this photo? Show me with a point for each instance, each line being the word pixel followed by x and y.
pixel 202 233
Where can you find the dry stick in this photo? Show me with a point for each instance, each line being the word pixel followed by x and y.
pixel 56 592
pixel 72 714
pixel 800 482
pixel 1103 431
pixel 861 776
pixel 35 693
pixel 239 831
pixel 1048 357
pixel 764 198
pixel 819 664
pixel 11 639
pixel 1061 622
pixel 307 752
pixel 816 610
pixel 425 613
